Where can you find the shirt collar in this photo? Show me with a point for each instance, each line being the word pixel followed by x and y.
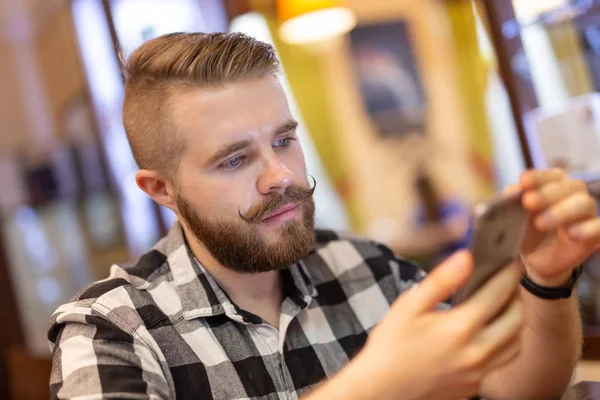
pixel 200 294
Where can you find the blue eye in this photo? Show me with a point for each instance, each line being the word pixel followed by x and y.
pixel 283 142
pixel 233 163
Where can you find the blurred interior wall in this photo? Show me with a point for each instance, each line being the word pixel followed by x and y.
pixel 569 54
pixel 39 75
pixel 473 72
pixel 43 39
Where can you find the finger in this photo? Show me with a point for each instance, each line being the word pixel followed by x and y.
pixel 549 194
pixel 491 299
pixel 442 282
pixel 574 208
pixel 535 178
pixel 512 189
pixel 503 328
pixel 586 231
pixel 501 333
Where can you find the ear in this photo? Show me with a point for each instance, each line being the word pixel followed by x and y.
pixel 157 187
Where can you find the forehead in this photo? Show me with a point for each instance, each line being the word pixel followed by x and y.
pixel 208 118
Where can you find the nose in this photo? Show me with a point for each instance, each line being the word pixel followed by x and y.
pixel 275 178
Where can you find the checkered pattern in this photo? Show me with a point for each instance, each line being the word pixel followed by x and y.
pixel 164 329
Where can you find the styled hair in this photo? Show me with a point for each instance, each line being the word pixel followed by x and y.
pixel 171 64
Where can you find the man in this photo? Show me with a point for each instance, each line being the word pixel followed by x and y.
pixel 243 299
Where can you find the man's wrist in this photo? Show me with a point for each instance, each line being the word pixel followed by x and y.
pixel 545 280
pixel 554 281
pixel 557 292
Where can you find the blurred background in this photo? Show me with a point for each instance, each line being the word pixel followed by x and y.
pixel 411 111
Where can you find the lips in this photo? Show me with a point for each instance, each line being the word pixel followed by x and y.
pixel 282 210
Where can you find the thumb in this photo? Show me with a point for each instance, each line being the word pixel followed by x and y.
pixel 442 282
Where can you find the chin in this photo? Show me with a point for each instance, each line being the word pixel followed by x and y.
pixel 274 234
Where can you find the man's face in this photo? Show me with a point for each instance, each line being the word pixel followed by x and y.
pixel 242 187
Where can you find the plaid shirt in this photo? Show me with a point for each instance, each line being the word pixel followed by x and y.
pixel 164 329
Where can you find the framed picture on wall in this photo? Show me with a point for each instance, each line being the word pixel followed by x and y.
pixel 388 76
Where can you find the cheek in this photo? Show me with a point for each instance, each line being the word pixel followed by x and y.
pixel 219 196
pixel 226 200
pixel 210 198
pixel 297 164
pixel 293 159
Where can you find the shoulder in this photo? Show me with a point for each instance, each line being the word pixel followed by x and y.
pixel 143 274
pixel 117 299
pixel 343 252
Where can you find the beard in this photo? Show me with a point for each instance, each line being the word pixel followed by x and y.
pixel 239 245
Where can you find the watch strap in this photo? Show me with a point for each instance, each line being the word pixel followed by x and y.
pixel 552 293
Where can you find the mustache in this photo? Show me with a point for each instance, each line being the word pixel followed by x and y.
pixel 293 194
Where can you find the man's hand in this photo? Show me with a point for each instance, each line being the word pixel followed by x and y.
pixel 563 227
pixel 420 352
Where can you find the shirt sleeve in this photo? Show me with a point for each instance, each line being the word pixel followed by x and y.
pixel 93 358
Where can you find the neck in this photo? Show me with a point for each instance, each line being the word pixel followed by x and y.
pixel 258 293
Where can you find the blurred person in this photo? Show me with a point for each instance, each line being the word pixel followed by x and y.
pixel 243 298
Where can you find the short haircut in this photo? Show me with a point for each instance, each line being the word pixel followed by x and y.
pixel 171 64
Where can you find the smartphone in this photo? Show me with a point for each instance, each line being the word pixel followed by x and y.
pixel 497 231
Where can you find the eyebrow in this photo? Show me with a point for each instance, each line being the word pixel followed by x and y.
pixel 228 149
pixel 286 127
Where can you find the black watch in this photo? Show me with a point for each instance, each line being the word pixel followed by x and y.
pixel 553 293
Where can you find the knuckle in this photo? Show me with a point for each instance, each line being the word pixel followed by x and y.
pixel 578 201
pixel 545 193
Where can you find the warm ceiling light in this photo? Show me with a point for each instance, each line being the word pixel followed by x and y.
pixel 310 21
